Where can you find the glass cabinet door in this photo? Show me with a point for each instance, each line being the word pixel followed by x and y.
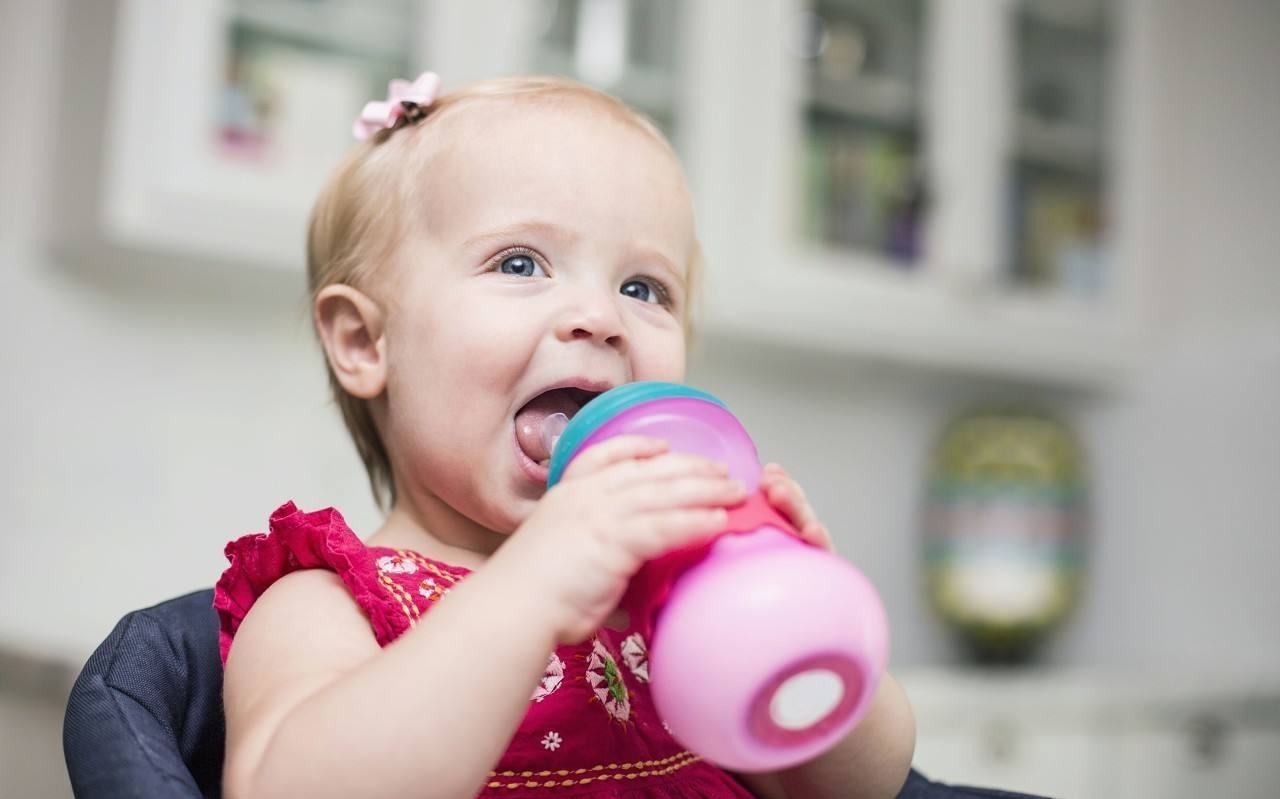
pixel 258 100
pixel 861 177
pixel 628 48
pixel 1057 174
pixel 625 47
pixel 280 52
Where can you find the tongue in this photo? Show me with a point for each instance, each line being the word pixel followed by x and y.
pixel 540 422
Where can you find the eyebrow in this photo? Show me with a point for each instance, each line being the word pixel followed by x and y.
pixel 549 229
pixel 649 254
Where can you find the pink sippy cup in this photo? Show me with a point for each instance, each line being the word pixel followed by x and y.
pixel 764 651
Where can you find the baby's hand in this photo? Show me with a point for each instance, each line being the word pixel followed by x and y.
pixel 788 497
pixel 620 503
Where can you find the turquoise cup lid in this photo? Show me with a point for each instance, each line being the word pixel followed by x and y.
pixel 604 407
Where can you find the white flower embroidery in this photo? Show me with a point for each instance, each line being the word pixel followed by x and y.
pixel 432 590
pixel 606 681
pixel 551 741
pixel 666 727
pixel 394 564
pixel 636 655
pixel 551 679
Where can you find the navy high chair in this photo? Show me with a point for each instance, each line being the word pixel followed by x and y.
pixel 145 715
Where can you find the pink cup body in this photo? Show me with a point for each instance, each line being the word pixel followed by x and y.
pixel 759 608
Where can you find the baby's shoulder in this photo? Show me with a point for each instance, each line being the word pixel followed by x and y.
pixel 307 616
pixel 312 569
pixel 303 632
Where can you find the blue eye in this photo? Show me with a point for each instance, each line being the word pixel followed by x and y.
pixel 642 290
pixel 521 266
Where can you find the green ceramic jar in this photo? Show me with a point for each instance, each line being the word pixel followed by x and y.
pixel 1003 522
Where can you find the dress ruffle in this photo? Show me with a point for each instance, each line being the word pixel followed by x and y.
pixel 297 540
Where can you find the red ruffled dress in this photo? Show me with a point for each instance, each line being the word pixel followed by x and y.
pixel 591 728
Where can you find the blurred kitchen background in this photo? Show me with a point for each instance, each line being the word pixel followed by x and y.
pixel 911 209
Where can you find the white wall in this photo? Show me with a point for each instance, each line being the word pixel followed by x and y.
pixel 146 421
pixel 146 418
pixel 1188 465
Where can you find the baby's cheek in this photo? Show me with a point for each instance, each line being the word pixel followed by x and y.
pixel 661 358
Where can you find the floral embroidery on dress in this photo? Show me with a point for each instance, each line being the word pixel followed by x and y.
pixel 432 590
pixel 551 679
pixel 606 682
pixel 551 741
pixel 636 655
pixel 394 564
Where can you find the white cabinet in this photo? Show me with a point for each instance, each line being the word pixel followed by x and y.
pixel 222 118
pixel 957 303
pixel 912 181
pixel 1081 734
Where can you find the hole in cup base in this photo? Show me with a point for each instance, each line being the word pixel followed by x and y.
pixel 806 700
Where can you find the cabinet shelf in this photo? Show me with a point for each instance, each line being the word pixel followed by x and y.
pixel 1081 18
pixel 650 89
pixel 887 101
pixel 875 309
pixel 374 30
pixel 1068 147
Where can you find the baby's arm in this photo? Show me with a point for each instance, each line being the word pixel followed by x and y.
pixel 315 709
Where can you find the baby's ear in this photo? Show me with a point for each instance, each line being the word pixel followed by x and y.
pixel 351 327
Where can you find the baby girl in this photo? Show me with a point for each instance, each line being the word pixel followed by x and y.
pixel 481 260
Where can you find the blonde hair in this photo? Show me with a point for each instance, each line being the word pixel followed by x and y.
pixel 358 222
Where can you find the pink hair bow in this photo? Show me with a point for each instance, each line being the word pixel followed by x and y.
pixel 403 98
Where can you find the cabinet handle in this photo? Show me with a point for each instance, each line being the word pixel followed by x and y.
pixel 1208 739
pixel 999 741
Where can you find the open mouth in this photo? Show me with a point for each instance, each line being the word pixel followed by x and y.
pixel 534 435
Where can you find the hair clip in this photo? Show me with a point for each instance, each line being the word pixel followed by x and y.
pixel 405 101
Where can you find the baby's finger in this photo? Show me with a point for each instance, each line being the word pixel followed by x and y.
pixel 686 492
pixel 665 466
pixel 614 450
pixel 785 495
pixel 817 534
pixel 653 534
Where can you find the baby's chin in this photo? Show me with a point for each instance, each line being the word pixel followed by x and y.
pixel 511 511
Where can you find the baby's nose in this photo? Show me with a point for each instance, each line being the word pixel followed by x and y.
pixel 594 318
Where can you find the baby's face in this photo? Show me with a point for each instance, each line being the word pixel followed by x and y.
pixel 552 266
